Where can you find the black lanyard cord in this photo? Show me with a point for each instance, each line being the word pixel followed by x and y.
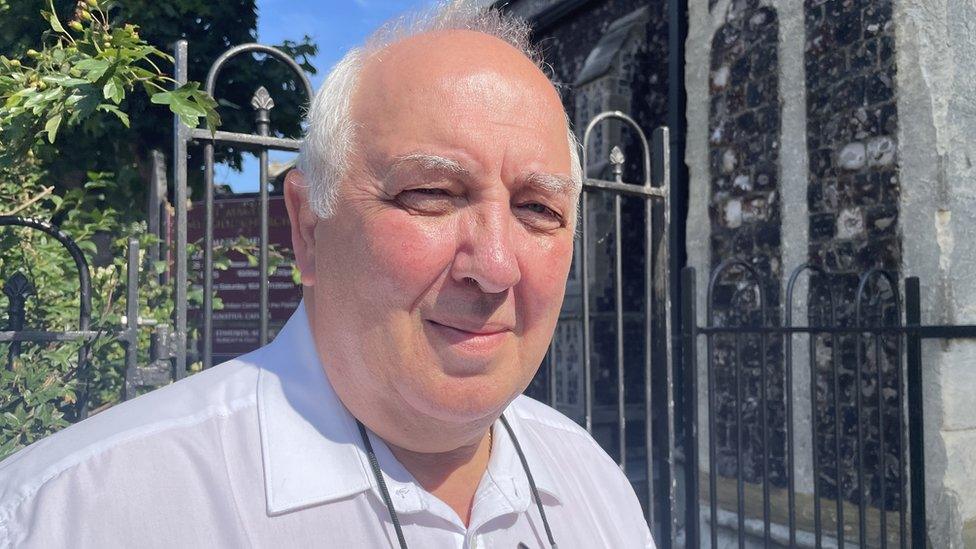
pixel 528 474
pixel 374 464
pixel 379 479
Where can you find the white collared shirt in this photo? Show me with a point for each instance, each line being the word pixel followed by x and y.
pixel 259 452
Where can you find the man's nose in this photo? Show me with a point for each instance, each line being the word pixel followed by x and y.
pixel 486 250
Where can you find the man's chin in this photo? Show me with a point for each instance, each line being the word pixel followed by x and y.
pixel 461 399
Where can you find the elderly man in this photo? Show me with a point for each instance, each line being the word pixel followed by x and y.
pixel 433 218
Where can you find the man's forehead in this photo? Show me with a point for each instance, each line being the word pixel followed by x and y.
pixel 460 92
pixel 453 63
pixel 445 47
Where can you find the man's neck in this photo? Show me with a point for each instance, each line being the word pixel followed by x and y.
pixel 453 477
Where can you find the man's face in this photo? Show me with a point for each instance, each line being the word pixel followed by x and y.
pixel 438 282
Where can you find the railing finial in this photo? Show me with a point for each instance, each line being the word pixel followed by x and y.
pixel 262 99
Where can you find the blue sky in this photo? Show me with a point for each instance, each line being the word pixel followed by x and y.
pixel 335 25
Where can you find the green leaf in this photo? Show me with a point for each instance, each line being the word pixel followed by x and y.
pixel 64 80
pixel 52 127
pixel 189 112
pixel 122 116
pixel 15 99
pixel 88 99
pixel 52 18
pixel 34 98
pixel 94 68
pixel 114 90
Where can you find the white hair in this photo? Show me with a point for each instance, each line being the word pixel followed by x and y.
pixel 324 154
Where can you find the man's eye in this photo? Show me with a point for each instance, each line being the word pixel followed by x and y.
pixel 540 209
pixel 426 200
pixel 428 191
pixel 541 216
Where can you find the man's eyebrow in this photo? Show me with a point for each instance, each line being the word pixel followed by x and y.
pixel 554 183
pixel 431 162
pixel 550 182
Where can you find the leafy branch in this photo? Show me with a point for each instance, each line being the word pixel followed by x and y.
pixel 86 66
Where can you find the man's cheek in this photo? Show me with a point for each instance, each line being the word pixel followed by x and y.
pixel 409 254
pixel 549 269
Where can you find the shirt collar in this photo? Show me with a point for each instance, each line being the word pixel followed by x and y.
pixel 309 441
pixel 311 446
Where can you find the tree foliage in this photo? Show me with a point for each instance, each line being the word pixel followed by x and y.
pixel 84 94
pixel 210 28
pixel 80 71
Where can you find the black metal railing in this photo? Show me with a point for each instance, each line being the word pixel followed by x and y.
pixel 18 289
pixel 865 375
pixel 632 226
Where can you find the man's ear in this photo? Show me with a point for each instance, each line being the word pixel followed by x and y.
pixel 303 221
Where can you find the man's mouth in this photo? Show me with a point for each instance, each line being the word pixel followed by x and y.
pixel 473 338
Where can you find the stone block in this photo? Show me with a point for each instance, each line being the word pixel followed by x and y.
pixel 880 87
pixel 853 156
pixel 733 214
pixel 881 151
pixel 957 364
pixel 960 474
pixel 729 161
pixel 882 220
pixel 720 78
pixel 850 224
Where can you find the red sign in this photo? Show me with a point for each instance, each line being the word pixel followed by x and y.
pixel 236 326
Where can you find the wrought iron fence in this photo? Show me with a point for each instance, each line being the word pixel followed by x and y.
pixel 19 289
pixel 653 191
pixel 865 376
pixel 259 141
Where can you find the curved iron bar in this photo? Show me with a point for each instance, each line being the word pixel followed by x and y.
pixel 618 115
pixel 84 281
pixel 253 47
pixel 208 153
pixel 717 274
pixel 788 323
pixel 585 280
pixel 859 300
pixel 720 270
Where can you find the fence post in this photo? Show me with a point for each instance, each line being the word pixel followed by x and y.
pixel 180 139
pixel 130 337
pixel 916 436
pixel 689 346
pixel 17 289
pixel 262 104
pixel 156 207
